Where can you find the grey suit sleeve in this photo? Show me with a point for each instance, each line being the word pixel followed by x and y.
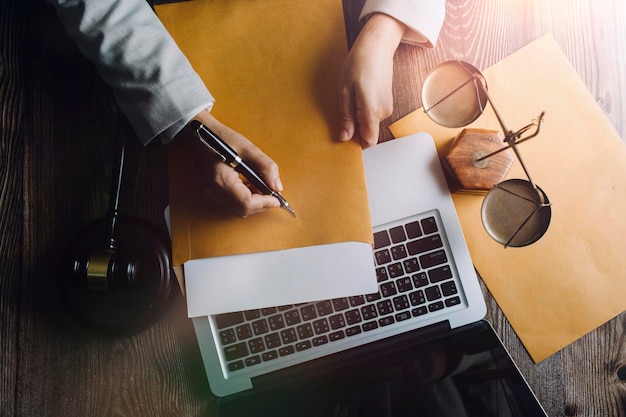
pixel 153 82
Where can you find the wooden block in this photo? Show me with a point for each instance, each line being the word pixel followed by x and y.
pixel 465 174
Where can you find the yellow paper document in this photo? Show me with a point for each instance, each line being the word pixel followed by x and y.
pixel 572 280
pixel 273 67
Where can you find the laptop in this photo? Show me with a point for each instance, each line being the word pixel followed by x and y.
pixel 428 301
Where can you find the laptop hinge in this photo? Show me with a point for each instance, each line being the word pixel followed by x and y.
pixel 414 339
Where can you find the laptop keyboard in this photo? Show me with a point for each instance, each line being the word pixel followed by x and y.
pixel 416 281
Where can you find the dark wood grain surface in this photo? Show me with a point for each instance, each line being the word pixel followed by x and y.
pixel 56 152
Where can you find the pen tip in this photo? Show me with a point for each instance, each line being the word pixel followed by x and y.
pixel 290 210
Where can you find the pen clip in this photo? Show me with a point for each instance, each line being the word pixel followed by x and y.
pixel 207 144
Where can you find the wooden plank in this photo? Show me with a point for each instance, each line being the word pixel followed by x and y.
pixel 11 201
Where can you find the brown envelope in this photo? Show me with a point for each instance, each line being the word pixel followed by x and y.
pixel 574 278
pixel 273 67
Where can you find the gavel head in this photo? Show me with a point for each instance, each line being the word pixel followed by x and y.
pixel 121 290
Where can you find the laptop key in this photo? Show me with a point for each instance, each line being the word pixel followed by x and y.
pixel 340 304
pixel 308 312
pixel 252 314
pixel 432 293
pixel 253 360
pixel 259 327
pixel 272 340
pixel 413 230
pixel 382 257
pixel 353 316
pixel 292 317
pixel 236 351
pixel 286 350
pixel 453 301
pixel 370 325
pixel 337 321
pixel 256 345
pixel 357 300
pixel 424 244
pixel 448 288
pixel 268 311
pixel 388 289
pixel 227 336
pixel 276 322
pixel 397 234
pixel 419 311
pixel 386 321
pixel 435 306
pixel 420 280
pixel 395 270
pixel 300 346
pixel 401 302
pixel 429 225
pixel 228 319
pixel 235 366
pixel 381 274
pixel 324 308
pixel 321 326
pixel 288 336
pixel 381 239
pixel 320 340
pixel 373 297
pixel 305 331
pixel 369 312
pixel 411 265
pixel 384 307
pixel 417 297
pixel 434 258
pixel 398 252
pixel 405 315
pixel 404 284
pixel 334 336
pixel 440 274
pixel 244 331
pixel 353 331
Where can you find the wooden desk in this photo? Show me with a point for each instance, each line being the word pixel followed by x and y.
pixel 55 159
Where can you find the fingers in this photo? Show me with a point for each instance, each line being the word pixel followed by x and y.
pixel 231 193
pixel 222 184
pixel 369 127
pixel 262 164
pixel 360 115
pixel 365 82
pixel 358 119
pixel 347 112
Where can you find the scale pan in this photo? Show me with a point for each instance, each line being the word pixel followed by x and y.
pixel 452 96
pixel 513 213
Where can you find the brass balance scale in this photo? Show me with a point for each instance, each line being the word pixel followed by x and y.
pixel 515 212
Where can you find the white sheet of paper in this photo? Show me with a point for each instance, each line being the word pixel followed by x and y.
pixel 302 275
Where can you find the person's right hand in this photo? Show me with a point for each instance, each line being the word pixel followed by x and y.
pixel 365 95
pixel 222 183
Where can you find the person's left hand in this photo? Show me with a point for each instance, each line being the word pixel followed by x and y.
pixel 365 94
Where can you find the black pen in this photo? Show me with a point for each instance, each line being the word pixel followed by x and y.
pixel 229 156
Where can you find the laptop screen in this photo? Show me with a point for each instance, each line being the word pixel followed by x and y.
pixel 465 373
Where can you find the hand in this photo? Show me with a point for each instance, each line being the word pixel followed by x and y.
pixel 222 183
pixel 365 95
